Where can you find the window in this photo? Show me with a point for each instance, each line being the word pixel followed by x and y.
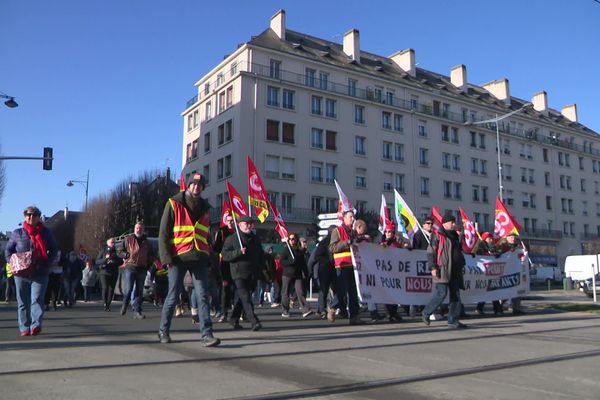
pixel 456 162
pixel 473 139
pixel 424 186
pixel 446 160
pixel 548 202
pixel 547 178
pixel 474 166
pixel 581 163
pixel 398 121
pixel 227 166
pixel 275 69
pixel 454 135
pixel 483 167
pixel 360 145
pixel 447 189
pixel 530 176
pixel 272 166
pixel 207 142
pixel 423 157
pixel 361 206
pixel 387 151
pixel 330 172
pixel 507 172
pixel 399 182
pixel 387 181
pixel 457 190
pixel 398 151
pixel 386 120
pixel 352 87
pixel 190 122
pixel 287 168
pixel 316 138
pixel 220 78
pixel 316 204
pixel 273 130
pixel 567 160
pixel 220 170
pixel 523 175
pixel 330 140
pixel 482 141
pixel 414 102
pixel 221 101
pixel 316 171
pixel 506 149
pixel 289 101
pixel 288 133
pixel 359 114
pixel 206 88
pixel 595 166
pixel 195 148
pixel 273 197
pixel 316 105
pixel 389 97
pixel 206 173
pixel 330 106
pixel 287 202
pixel 568 182
pixel 475 190
pixel 273 96
pixel 484 194
pixel 445 133
pixel 221 134
pixel 331 204
pixel 323 80
pixel 582 185
pixel 195 118
pixel 310 77
pixel 188 152
pixel 361 178
pixel 229 97
pixel 228 130
pixel 208 111
pixel 561 159
pixel 422 128
pixel 545 155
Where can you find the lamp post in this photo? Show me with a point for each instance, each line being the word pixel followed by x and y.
pixel 10 103
pixel 496 121
pixel 85 184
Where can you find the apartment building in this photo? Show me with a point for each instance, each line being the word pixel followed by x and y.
pixel 308 111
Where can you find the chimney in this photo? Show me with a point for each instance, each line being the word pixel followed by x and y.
pixel 352 44
pixel 278 24
pixel 540 101
pixel 570 112
pixel 405 59
pixel 458 76
pixel 499 89
pixel 168 174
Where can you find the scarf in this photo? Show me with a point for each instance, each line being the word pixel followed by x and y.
pixel 35 234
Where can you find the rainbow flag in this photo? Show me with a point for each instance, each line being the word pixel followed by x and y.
pixel 407 222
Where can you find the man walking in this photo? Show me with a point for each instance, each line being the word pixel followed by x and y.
pixel 183 244
pixel 446 262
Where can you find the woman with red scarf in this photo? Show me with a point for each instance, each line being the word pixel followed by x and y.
pixel 31 286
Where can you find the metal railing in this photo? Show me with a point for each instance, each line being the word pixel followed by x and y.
pixel 542 233
pixel 294 215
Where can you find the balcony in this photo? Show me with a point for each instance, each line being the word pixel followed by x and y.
pixel 295 215
pixel 589 236
pixel 541 233
pixel 192 101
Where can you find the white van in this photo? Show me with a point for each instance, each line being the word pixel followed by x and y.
pixel 579 268
pixel 540 273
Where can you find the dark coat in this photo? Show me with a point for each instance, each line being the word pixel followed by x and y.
pixel 451 261
pixel 293 267
pixel 20 242
pixel 420 241
pixel 73 270
pixel 244 266
pixel 108 265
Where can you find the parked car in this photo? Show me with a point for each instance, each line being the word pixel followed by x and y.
pixel 544 274
pixel 579 268
pixel 587 286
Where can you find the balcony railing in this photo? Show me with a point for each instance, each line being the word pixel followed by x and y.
pixel 589 236
pixel 192 101
pixel 542 233
pixel 294 215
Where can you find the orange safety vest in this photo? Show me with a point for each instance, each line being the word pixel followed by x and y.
pixel 343 259
pixel 187 235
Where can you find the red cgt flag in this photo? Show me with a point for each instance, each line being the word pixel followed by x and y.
pixel 279 224
pixel 238 207
pixel 437 219
pixel 504 223
pixel 182 186
pixel 470 232
pixel 225 211
pixel 257 195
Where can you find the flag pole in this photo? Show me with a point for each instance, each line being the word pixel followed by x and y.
pixel 237 230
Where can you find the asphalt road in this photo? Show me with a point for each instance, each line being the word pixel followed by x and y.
pixel 85 353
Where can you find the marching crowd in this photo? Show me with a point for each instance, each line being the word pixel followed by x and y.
pixel 226 275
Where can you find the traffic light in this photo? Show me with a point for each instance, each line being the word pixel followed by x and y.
pixel 47 158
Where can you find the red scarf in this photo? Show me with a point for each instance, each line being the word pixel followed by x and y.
pixel 35 234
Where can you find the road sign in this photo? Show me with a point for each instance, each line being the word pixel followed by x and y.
pixel 326 223
pixel 327 216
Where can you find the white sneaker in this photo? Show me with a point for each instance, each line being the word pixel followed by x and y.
pixel 285 315
pixel 306 314
pixel 275 305
pixel 436 317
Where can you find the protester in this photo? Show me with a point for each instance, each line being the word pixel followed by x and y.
pixel 108 263
pixel 295 272
pixel 510 244
pixel 184 246
pixel 341 239
pixel 446 262
pixel 327 277
pixel 423 236
pixel 31 284
pixel 88 280
pixel 487 247
pixel 227 286
pixel 72 274
pixel 269 272
pixel 246 257
pixel 160 282
pixel 390 239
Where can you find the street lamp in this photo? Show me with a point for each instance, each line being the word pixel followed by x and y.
pixel 496 121
pixel 85 184
pixel 10 103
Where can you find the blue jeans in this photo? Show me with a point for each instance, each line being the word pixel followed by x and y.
pixel 199 272
pixel 441 290
pixel 346 289
pixel 30 301
pixel 134 277
pixel 69 286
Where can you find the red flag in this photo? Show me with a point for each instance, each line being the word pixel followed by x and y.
pixel 279 224
pixel 470 234
pixel 182 186
pixel 504 223
pixel 238 207
pixel 257 195
pixel 437 218
pixel 225 211
pixel 385 223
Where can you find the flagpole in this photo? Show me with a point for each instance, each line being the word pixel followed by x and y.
pixel 237 231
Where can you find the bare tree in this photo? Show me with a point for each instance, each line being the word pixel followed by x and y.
pixel 2 178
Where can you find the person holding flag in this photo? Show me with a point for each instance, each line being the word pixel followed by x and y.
pixel 342 237
pixel 225 230
pixel 183 244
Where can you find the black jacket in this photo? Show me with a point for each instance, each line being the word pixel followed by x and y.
pixel 293 267
pixel 108 265
pixel 420 241
pixel 243 266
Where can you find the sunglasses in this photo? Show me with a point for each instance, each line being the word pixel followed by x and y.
pixel 293 238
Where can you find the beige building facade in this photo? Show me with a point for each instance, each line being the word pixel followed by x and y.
pixel 307 111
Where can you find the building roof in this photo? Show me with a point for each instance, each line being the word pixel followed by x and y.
pixel 324 51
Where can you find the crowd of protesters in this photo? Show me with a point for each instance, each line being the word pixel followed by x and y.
pixel 223 277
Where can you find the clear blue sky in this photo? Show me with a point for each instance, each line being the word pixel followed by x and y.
pixel 104 82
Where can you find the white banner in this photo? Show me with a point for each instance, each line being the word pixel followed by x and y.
pixel 386 275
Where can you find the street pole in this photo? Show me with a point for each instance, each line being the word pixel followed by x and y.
pixel 87 187
pixel 500 188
